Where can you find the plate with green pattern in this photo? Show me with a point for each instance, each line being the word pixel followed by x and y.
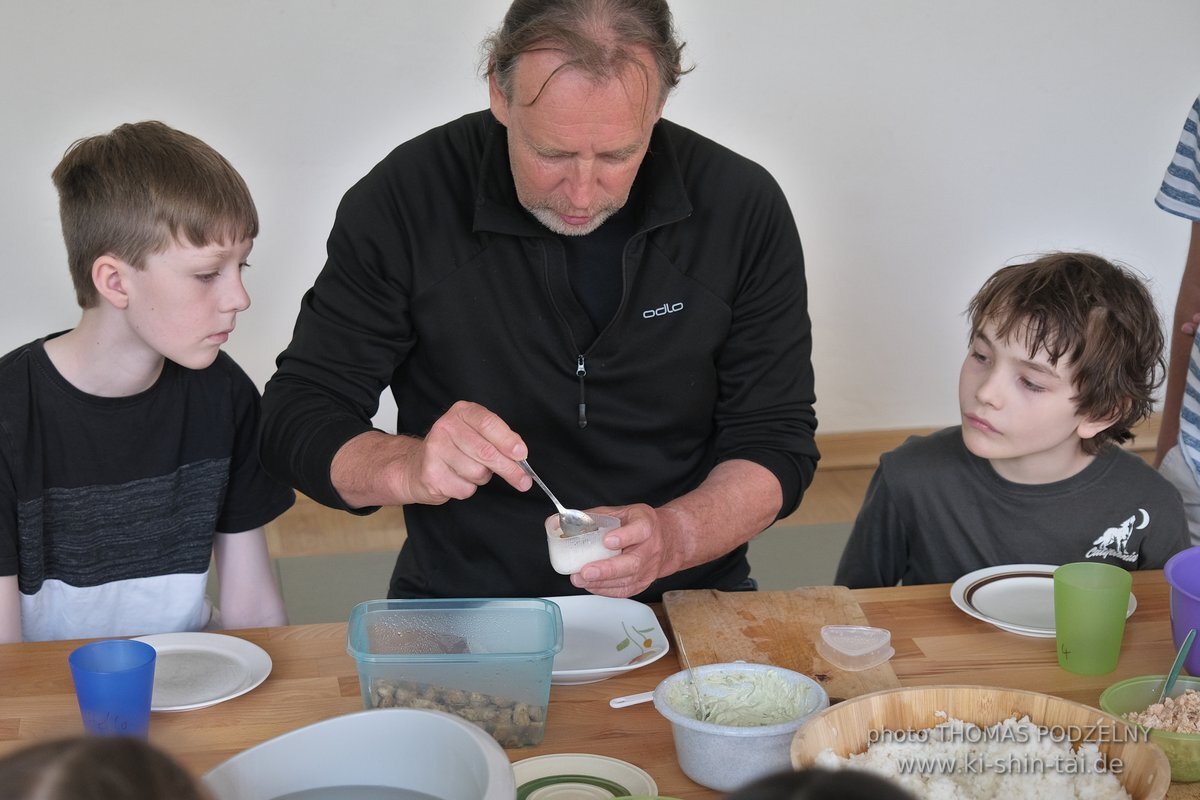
pixel 580 776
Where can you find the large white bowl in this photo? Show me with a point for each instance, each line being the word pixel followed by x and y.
pixel 404 748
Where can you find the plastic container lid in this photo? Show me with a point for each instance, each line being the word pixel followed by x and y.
pixel 855 647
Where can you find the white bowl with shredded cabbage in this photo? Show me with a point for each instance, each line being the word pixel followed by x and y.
pixel 743 727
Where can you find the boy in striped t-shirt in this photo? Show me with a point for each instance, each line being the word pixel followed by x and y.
pixel 1178 452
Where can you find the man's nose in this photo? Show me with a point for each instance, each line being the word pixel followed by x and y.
pixel 581 184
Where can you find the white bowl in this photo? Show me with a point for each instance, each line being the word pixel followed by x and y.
pixel 726 757
pixel 402 748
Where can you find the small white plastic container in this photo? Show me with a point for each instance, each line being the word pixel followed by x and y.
pixel 568 554
pixel 855 647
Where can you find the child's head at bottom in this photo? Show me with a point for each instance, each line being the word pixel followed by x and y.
pixel 1065 351
pixel 821 784
pixel 96 768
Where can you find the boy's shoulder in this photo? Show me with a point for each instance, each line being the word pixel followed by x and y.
pixel 941 462
pixel 21 365
pixel 28 379
pixel 925 468
pixel 24 352
pixel 933 451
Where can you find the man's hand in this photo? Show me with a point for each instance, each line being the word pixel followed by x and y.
pixel 463 449
pixel 737 500
pixel 650 548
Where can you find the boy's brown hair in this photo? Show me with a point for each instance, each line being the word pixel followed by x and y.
pixel 1097 316
pixel 130 192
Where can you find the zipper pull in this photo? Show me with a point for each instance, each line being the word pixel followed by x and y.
pixel 581 372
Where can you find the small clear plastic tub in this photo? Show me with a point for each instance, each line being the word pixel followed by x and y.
pixel 569 554
pixel 855 647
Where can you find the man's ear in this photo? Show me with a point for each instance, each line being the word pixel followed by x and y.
pixel 108 276
pixel 498 101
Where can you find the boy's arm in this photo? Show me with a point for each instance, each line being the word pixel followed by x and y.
pixel 249 596
pixel 10 610
pixel 875 553
pixel 1187 304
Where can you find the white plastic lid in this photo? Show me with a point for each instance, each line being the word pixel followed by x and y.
pixel 855 647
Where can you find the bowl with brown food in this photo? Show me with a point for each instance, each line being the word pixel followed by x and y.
pixel 1173 725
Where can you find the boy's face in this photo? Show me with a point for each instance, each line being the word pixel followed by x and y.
pixel 1019 413
pixel 183 303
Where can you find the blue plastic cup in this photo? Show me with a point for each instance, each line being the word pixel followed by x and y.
pixel 114 681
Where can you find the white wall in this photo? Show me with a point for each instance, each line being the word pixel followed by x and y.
pixel 922 144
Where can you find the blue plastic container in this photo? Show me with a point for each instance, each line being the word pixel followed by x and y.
pixel 487 660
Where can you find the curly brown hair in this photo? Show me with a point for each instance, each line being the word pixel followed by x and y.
pixel 1098 317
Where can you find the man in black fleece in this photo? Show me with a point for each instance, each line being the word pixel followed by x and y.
pixel 566 277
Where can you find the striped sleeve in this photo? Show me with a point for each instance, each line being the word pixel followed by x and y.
pixel 1180 190
pixel 1189 413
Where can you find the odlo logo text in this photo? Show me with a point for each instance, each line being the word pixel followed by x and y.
pixel 663 310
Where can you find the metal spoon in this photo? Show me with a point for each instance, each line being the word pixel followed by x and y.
pixel 570 521
pixel 1178 665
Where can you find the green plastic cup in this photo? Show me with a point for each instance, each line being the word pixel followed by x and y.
pixel 1090 603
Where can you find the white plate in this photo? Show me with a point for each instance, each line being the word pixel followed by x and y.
pixel 1018 598
pixel 578 776
pixel 605 636
pixel 194 670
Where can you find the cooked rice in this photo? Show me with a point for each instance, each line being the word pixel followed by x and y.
pixel 958 760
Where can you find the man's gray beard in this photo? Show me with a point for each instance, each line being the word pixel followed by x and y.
pixel 551 220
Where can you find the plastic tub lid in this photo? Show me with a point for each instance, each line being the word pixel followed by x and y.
pixel 855 647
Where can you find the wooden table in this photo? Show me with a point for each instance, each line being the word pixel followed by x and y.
pixel 313 679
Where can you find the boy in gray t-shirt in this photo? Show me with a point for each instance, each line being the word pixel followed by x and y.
pixel 1065 354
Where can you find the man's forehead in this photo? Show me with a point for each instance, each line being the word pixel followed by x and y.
pixel 537 70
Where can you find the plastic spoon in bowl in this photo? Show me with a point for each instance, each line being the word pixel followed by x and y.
pixel 570 521
pixel 1178 665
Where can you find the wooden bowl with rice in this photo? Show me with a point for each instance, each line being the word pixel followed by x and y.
pixel 992 756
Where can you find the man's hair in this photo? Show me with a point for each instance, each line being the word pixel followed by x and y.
pixel 1097 316
pixel 597 37
pixel 96 767
pixel 130 192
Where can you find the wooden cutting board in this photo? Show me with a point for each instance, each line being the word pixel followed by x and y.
pixel 780 628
